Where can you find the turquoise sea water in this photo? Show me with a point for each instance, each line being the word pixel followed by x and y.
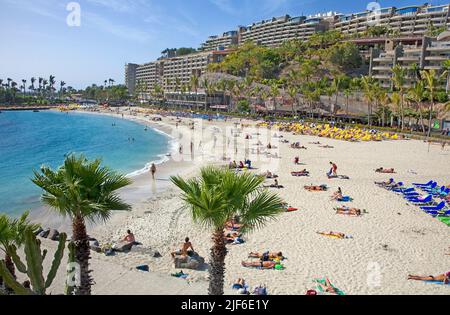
pixel 30 139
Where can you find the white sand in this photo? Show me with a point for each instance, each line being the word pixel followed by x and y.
pixel 417 243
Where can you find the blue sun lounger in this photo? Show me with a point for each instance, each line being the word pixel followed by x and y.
pixel 439 207
pixel 427 200
pixel 424 185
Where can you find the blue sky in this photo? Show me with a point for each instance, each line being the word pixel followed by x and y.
pixel 36 40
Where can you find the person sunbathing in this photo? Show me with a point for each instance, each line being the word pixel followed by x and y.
pixel 316 188
pixel 239 284
pixel 337 195
pixel 385 170
pixel 233 225
pixel 129 238
pixel 386 183
pixel 270 175
pixel 267 256
pixel 334 234
pixel 327 287
pixel 326 147
pixel 444 278
pixel 349 211
pixel 260 264
pixel 301 173
pixel 275 185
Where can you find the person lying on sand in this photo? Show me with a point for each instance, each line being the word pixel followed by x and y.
pixel 349 211
pixel 326 147
pixel 270 175
pixel 275 185
pixel 233 238
pixel 184 250
pixel 301 173
pixel 316 188
pixel 260 264
pixel 267 256
pixel 334 234
pixel 327 287
pixel 337 195
pixel 386 183
pixel 239 284
pixel 445 278
pixel 233 224
pixel 385 170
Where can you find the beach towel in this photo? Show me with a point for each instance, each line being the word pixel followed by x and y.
pixel 324 281
pixel 438 282
pixel 445 220
pixel 345 199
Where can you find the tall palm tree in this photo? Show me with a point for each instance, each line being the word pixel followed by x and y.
pixel 13 91
pixel 293 94
pixel 24 84
pixel 274 93
pixel 12 236
pixel 446 66
pixel 398 80
pixel 418 94
pixel 395 101
pixel 52 83
pixel 215 198
pixel 83 191
pixel 432 81
pixel 194 83
pixel 33 80
pixel 61 84
pixel 367 84
pixel 347 93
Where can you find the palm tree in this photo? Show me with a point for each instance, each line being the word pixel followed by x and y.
pixel 83 191
pixel 398 80
pixel 432 81
pixel 293 94
pixel 274 93
pixel 13 91
pixel 446 66
pixel 194 83
pixel 51 83
pixel 218 196
pixel 418 94
pixel 367 84
pixel 12 236
pixel 395 100
pixel 111 82
pixel 33 80
pixel 347 93
pixel 256 92
pixel 24 84
pixel 61 84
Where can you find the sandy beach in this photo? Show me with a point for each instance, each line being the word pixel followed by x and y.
pixel 390 241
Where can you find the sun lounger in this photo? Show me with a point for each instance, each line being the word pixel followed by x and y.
pixel 424 185
pixel 426 200
pixel 439 207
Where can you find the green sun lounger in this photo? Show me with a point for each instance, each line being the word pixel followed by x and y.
pixel 324 281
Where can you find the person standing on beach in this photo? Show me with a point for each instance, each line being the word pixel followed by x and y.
pixel 153 170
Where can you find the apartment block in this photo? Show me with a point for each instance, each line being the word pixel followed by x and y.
pixel 130 76
pixel 219 42
pixel 172 73
pixel 429 55
pixel 410 20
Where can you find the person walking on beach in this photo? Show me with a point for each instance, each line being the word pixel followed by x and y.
pixel 153 170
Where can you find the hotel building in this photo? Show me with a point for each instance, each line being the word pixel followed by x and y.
pixel 411 20
pixel 219 42
pixel 170 72
pixel 429 55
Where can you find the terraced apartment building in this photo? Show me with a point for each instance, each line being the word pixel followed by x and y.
pixel 429 55
pixel 218 42
pixel 411 20
pixel 277 30
pixel 171 73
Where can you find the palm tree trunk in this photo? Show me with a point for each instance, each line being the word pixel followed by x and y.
pixel 217 268
pixel 82 254
pixel 431 115
pixel 422 123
